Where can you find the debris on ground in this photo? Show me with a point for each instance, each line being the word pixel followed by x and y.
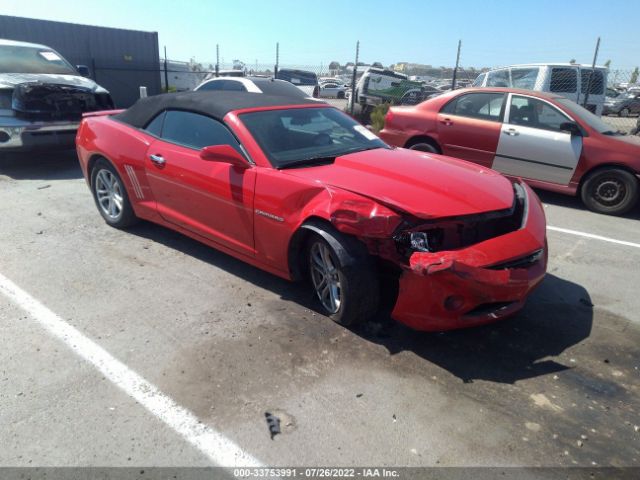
pixel 44 186
pixel 273 423
pixel 358 395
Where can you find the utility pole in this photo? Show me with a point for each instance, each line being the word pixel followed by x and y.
pixel 455 70
pixel 166 73
pixel 592 74
pixel 353 79
pixel 275 69
pixel 217 60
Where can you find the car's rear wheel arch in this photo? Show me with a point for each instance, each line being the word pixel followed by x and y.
pixel 423 139
pixel 101 166
pixel 91 164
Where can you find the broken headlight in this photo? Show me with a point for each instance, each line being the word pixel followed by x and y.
pixel 425 241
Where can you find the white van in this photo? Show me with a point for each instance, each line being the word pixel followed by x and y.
pixel 570 80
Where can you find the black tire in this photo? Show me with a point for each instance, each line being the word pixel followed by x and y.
pixel 611 191
pixel 113 204
pixel 340 95
pixel 424 147
pixel 358 290
pixel 624 112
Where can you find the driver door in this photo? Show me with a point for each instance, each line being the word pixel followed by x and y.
pixel 212 199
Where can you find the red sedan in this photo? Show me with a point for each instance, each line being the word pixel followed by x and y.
pixel 551 142
pixel 299 189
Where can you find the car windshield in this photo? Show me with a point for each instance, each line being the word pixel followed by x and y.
pixel 19 59
pixel 300 137
pixel 586 116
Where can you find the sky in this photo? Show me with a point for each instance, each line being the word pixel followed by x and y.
pixel 493 32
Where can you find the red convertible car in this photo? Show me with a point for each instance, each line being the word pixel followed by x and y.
pixel 548 140
pixel 299 189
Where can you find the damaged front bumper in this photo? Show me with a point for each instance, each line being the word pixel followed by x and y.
pixel 478 284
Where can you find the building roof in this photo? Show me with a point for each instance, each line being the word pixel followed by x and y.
pixel 14 43
pixel 215 104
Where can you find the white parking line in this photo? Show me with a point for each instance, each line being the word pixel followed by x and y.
pixel 595 237
pixel 218 448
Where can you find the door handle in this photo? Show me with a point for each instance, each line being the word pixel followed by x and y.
pixel 446 121
pixel 511 131
pixel 157 160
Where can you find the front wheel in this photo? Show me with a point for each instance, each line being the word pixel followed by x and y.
pixel 347 293
pixel 111 196
pixel 624 112
pixel 424 147
pixel 611 191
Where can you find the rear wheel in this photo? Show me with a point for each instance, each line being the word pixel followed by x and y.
pixel 347 291
pixel 612 191
pixel 111 196
pixel 624 112
pixel 341 95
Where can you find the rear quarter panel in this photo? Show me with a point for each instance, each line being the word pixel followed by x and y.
pixel 409 122
pixel 125 147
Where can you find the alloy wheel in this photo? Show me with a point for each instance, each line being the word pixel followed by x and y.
pixel 109 194
pixel 325 277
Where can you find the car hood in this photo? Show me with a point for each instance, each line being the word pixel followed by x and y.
pixel 424 185
pixel 10 80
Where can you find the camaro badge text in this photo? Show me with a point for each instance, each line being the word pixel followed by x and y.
pixel 269 215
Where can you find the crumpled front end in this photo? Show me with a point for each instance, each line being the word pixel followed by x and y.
pixel 478 283
pixel 45 115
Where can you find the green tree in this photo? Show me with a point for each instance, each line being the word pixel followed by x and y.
pixel 634 75
pixel 377 116
pixel 607 63
pixel 573 60
pixel 334 65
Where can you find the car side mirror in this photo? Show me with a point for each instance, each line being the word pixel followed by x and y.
pixel 224 154
pixel 83 70
pixel 572 128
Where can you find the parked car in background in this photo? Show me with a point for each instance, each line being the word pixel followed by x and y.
pixel 332 90
pixel 611 93
pixel 231 73
pixel 377 86
pixel 624 104
pixel 43 97
pixel 301 190
pixel 269 86
pixel 337 80
pixel 548 140
pixel 305 81
pixel 570 80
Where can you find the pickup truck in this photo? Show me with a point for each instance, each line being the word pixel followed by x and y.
pixel 43 97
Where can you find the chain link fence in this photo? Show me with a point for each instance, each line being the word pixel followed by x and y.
pixel 358 87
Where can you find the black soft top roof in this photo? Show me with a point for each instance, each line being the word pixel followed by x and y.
pixel 215 104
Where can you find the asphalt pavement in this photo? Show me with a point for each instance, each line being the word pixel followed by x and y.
pixel 144 348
